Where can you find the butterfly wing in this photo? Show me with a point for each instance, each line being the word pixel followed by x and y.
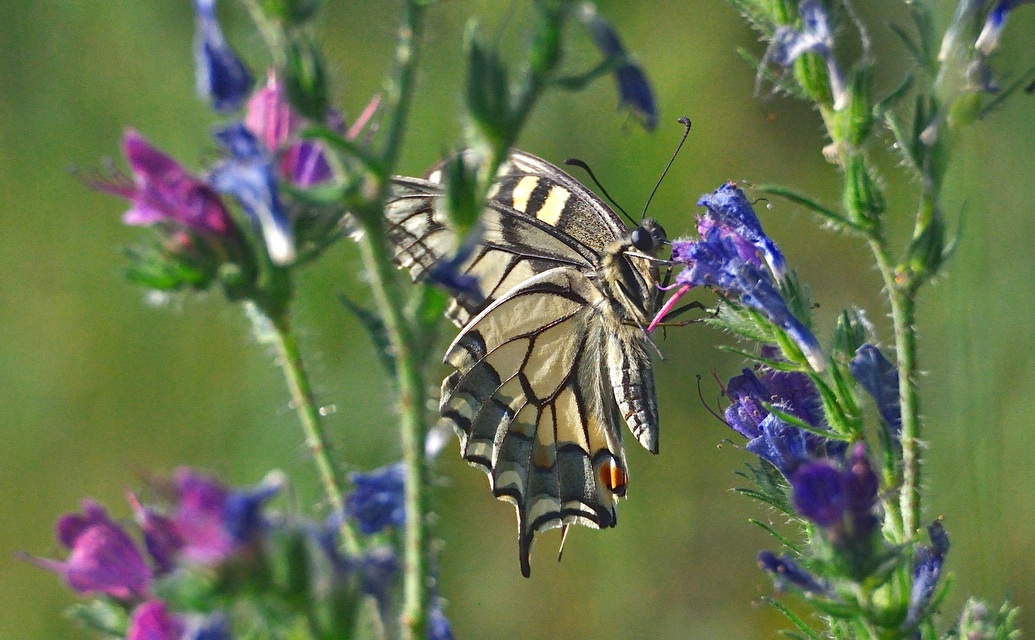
pixel 537 218
pixel 531 401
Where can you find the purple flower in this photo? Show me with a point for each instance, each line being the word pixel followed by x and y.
pixel 272 120
pixel 378 500
pixel 634 92
pixel 161 538
pixel 722 260
pixel 827 491
pixel 104 559
pixel 927 569
pixel 880 379
pixel 213 522
pixel 152 620
pixel 787 572
pixel 730 212
pixel 819 493
pixel 221 76
pixel 162 191
pixel 785 446
pixel 447 272
pixel 995 22
pixel 815 36
pixel 249 175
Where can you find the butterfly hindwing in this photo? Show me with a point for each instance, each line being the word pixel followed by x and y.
pixel 530 402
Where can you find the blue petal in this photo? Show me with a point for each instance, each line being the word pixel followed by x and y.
pixel 378 500
pixel 634 91
pixel 786 571
pixel 784 446
pixel 438 626
pixel 880 379
pixel 729 207
pixel 819 493
pixel 251 176
pixel 221 76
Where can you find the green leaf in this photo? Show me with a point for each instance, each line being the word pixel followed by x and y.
pixel 889 101
pixel 103 616
pixel 798 423
pixel 378 333
pixel 835 218
pixel 792 617
pixel 784 540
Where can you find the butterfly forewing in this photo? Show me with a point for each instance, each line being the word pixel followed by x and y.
pixel 550 359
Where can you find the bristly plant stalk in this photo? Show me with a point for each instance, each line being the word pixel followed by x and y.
pixel 402 334
pixel 289 358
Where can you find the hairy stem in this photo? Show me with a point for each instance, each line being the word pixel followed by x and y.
pixel 902 296
pixel 290 360
pixel 402 334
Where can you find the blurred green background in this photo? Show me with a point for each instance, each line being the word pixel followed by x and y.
pixel 98 386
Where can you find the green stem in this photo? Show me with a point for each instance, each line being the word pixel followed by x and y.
pixel 402 334
pixel 902 296
pixel 290 360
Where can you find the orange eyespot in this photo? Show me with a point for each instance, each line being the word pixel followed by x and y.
pixel 613 477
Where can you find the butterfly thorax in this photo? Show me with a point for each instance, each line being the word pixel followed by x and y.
pixel 629 281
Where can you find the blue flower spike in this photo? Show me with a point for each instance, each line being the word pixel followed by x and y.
pixel 221 76
pixel 378 500
pixel 729 258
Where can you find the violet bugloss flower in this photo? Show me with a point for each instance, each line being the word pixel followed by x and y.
pixel 162 191
pixel 788 572
pixel 272 120
pixel 730 211
pixel 438 625
pixel 634 92
pixel 819 493
pixel 378 500
pixel 815 36
pixel 785 446
pixel 249 175
pixel 221 76
pixel 880 379
pixel 152 620
pixel 212 521
pixel 927 570
pixel 726 259
pixel 104 559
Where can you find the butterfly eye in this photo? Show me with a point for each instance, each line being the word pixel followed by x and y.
pixel 642 239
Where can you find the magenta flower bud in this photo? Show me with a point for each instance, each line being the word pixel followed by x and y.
pixel 153 621
pixel 104 559
pixel 163 191
pixel 269 116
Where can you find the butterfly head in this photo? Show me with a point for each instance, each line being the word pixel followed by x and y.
pixel 648 237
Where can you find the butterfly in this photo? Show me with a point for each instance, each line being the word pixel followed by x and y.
pixel 553 357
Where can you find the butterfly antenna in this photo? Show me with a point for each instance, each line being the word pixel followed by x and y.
pixel 686 132
pixel 575 162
